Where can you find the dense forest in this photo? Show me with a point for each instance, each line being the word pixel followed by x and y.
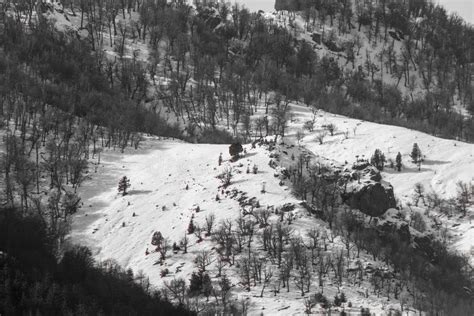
pixel 32 281
pixel 63 99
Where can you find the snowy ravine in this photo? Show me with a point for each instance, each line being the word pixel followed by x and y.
pixel 170 179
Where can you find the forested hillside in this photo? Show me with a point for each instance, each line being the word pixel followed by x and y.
pixel 33 282
pixel 408 65
pixel 80 78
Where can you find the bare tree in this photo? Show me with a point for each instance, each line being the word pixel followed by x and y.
pixel 184 243
pixel 262 216
pixel 177 287
pixel 203 260
pixel 419 194
pixel 224 288
pixel 210 219
pixel 331 128
pixel 267 276
pixel 464 196
pixel 320 137
pixel 163 249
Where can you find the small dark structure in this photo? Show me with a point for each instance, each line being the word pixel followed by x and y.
pixel 235 149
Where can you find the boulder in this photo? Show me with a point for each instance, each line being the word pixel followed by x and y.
pixel 372 198
pixel 360 165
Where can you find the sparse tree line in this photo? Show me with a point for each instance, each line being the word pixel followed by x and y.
pixel 223 61
pixel 322 188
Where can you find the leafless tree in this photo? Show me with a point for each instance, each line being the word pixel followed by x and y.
pixel 163 249
pixel 331 127
pixel 419 194
pixel 210 219
pixel 267 276
pixel 203 260
pixel 320 137
pixel 285 270
pixel 464 196
pixel 224 288
pixel 177 287
pixel 262 216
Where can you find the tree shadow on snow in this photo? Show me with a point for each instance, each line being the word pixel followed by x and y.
pixel 138 192
pixel 434 162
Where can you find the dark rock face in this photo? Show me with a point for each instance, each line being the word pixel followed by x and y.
pixel 373 199
pixel 425 246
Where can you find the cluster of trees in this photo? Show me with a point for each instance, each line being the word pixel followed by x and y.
pixel 61 102
pixel 33 281
pixel 222 60
pixel 394 245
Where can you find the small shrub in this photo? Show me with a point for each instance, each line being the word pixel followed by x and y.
pixel 226 177
pixel 255 169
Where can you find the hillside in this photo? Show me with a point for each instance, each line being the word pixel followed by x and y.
pixel 353 192
pixel 174 181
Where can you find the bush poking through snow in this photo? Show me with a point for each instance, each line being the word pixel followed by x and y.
pixel 225 177
pixel 331 128
pixel 339 299
pixel 164 272
pixel 320 137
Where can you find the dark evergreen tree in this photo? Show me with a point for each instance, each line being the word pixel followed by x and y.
pixel 378 159
pixel 398 162
pixel 416 154
pixel 123 185
pixel 191 226
pixel 195 284
pixel 157 239
pixel 235 149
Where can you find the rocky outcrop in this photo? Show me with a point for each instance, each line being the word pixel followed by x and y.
pixel 366 191
pixel 371 198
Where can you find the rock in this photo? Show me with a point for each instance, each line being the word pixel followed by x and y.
pixel 425 246
pixel 287 207
pixel 360 165
pixel 373 174
pixel 373 198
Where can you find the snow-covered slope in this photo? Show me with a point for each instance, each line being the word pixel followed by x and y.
pixel 446 162
pixel 120 227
